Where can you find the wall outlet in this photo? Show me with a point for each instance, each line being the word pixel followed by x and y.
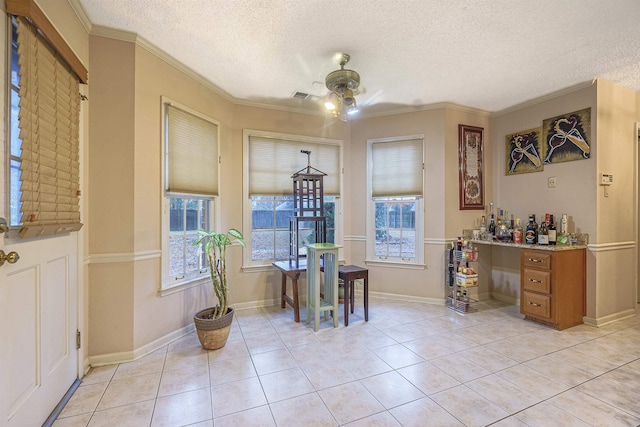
pixel 552 182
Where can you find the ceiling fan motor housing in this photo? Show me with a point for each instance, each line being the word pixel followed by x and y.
pixel 341 80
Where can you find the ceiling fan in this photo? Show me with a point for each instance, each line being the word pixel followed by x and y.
pixel 343 85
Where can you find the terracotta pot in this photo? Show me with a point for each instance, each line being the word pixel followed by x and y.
pixel 213 333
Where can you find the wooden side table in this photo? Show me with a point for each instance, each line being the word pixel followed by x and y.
pixel 348 274
pixel 329 299
pixel 290 270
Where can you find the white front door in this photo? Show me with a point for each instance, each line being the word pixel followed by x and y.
pixel 38 322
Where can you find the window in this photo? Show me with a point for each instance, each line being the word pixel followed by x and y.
pixel 271 160
pixel 44 178
pixel 395 181
pixel 191 187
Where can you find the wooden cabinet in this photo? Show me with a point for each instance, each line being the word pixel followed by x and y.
pixel 552 286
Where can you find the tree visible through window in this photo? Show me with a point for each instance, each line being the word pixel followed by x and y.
pixel 186 216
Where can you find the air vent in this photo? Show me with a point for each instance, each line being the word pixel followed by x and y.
pixel 301 95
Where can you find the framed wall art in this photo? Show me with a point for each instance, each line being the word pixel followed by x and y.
pixel 568 137
pixel 524 152
pixel 471 185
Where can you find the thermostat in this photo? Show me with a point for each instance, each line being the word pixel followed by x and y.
pixel 606 179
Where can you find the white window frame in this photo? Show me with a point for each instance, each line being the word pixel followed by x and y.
pixel 262 265
pixel 170 284
pixel 370 257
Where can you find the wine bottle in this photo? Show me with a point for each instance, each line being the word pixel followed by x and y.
pixel 517 232
pixel 531 231
pixel 492 225
pixel 483 228
pixel 543 234
pixel 552 231
pixel 563 237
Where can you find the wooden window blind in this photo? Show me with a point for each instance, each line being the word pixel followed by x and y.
pixel 272 161
pixel 49 130
pixel 192 153
pixel 397 168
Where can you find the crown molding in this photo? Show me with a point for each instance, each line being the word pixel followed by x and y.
pixel 81 14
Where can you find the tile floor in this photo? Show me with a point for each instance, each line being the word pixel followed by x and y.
pixel 412 364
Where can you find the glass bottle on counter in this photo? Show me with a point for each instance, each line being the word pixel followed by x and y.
pixel 552 231
pixel 492 225
pixel 543 234
pixel 563 236
pixel 517 232
pixel 531 231
pixel 483 228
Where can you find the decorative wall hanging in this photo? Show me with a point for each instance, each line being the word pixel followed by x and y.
pixel 524 152
pixel 470 146
pixel 567 137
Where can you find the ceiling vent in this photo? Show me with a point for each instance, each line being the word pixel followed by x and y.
pixel 300 95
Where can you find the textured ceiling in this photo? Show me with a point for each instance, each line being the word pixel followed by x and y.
pixel 486 54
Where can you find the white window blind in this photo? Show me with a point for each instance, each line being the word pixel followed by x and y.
pixel 49 130
pixel 272 161
pixel 192 153
pixel 397 168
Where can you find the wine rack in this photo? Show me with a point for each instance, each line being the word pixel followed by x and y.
pixel 461 277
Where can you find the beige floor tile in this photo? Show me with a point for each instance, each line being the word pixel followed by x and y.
pixel 305 410
pixel 592 411
pixel 534 382
pixel 255 417
pixel 554 367
pixel 186 357
pixel 422 412
pixel 228 370
pixel 273 361
pixel 428 348
pixel 613 393
pixel 392 389
pixel 184 379
pixel 397 356
pixel 130 390
pixel 237 396
pixel 382 419
pixel 428 378
pixel 591 365
pixel 544 414
pixel 511 421
pixel 487 358
pixel 75 421
pixel 477 334
pixel 263 343
pixel 182 409
pixel 183 343
pixel 149 364
pixel 84 400
pixel 468 406
pixel 99 374
pixel 134 415
pixel 322 376
pixel 350 402
pixel 503 393
pixel 603 352
pixel 298 336
pixel 285 384
pixel 459 369
pixel 413 331
pixel 255 328
pixel 364 365
pixel 231 350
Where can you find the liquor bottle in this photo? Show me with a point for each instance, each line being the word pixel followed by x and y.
pixel 563 236
pixel 511 227
pixel 531 231
pixel 492 225
pixel 483 228
pixel 543 234
pixel 552 231
pixel 517 232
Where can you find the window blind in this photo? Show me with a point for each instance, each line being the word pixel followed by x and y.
pixel 397 168
pixel 49 130
pixel 272 161
pixel 192 151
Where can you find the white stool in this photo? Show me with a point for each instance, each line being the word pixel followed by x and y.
pixel 330 291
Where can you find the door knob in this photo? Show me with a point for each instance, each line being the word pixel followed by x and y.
pixel 11 257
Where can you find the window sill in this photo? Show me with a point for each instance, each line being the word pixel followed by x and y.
pixel 395 264
pixel 163 292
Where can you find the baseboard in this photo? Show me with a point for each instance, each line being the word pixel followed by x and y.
pixel 605 320
pixel 128 356
pixel 407 298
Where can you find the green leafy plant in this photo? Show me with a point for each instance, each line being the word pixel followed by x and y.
pixel 215 246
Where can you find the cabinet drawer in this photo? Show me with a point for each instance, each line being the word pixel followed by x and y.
pixel 537 259
pixel 537 280
pixel 537 305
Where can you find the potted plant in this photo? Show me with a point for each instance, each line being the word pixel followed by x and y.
pixel 214 323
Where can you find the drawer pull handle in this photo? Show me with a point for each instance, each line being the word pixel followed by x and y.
pixel 535 281
pixel 535 260
pixel 534 304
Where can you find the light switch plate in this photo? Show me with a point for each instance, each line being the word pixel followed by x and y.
pixel 552 182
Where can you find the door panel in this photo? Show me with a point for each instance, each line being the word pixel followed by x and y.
pixel 38 318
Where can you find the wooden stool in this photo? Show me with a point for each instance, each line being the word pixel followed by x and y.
pixel 289 269
pixel 348 274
